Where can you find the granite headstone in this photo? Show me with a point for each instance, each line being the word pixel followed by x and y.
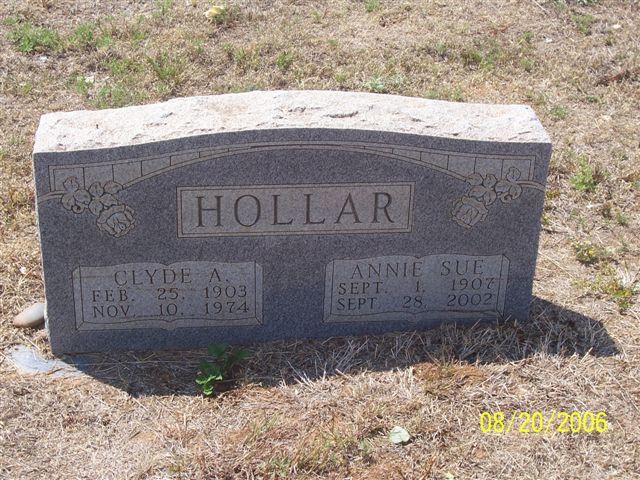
pixel 269 215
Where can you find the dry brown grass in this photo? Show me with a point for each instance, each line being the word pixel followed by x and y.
pixel 323 409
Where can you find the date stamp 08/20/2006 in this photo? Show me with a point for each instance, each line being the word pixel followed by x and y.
pixel 544 422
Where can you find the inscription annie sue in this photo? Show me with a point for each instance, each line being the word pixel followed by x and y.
pixel 183 294
pixel 294 209
pixel 409 288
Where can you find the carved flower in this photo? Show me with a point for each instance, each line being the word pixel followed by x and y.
pixel 508 188
pixel 116 220
pixel 482 188
pixel 102 197
pixel 468 211
pixel 75 199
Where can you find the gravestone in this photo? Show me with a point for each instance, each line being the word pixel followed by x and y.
pixel 269 215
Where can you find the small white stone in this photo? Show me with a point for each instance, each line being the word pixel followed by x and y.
pixel 617 26
pixel 31 317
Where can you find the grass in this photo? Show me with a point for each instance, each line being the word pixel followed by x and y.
pixel 371 5
pixel 284 61
pixel 324 409
pixel 586 179
pixel 29 38
pixel 583 22
pixel 589 253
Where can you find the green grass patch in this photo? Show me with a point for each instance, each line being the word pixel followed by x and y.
pixel 29 38
pixel 441 49
pixel 84 36
pixel 583 22
pixel 620 290
pixel 384 84
pixel 371 5
pixel 586 179
pixel 224 359
pixel 486 54
pixel 588 253
pixel 245 58
pixel 284 61
pixel 80 84
pixel 123 67
pixel 118 95
pixel 451 94
pixel 559 112
pixel 376 84
pixel 169 70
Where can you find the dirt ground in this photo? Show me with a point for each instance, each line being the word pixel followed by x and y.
pixel 324 409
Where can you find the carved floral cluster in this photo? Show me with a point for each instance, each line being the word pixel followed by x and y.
pixel 114 218
pixel 483 192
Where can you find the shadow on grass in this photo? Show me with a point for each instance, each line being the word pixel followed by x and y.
pixel 551 330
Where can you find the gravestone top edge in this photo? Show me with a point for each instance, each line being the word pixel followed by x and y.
pixel 273 110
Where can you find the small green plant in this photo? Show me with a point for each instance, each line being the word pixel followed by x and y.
pixel 622 219
pixel 441 49
pixel 163 7
pixel 559 112
pixel 527 37
pixel 84 36
pixel 585 179
pixel 224 359
pixel 81 84
pixel 588 253
pixel 29 38
pixel 471 57
pixel 376 85
pixel 281 466
pixel 584 23
pixel 455 95
pixel 168 69
pixel 372 5
pixel 486 54
pixel 117 95
pixel 528 64
pixel 123 67
pixel 340 77
pixel 284 61
pixel 618 286
pixel 365 447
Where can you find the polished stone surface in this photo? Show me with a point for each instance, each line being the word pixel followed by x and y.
pixel 268 215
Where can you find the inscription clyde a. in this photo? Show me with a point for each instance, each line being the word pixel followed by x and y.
pixel 182 294
pixel 294 209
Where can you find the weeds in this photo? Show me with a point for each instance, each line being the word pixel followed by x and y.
pixel 583 23
pixel 81 84
pixel 84 36
pixel 486 55
pixel 585 179
pixel 376 85
pixel 224 360
pixel 620 288
pixel 559 112
pixel 284 61
pixel 168 69
pixel 30 39
pixel 371 5
pixel 588 253
pixel 117 95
